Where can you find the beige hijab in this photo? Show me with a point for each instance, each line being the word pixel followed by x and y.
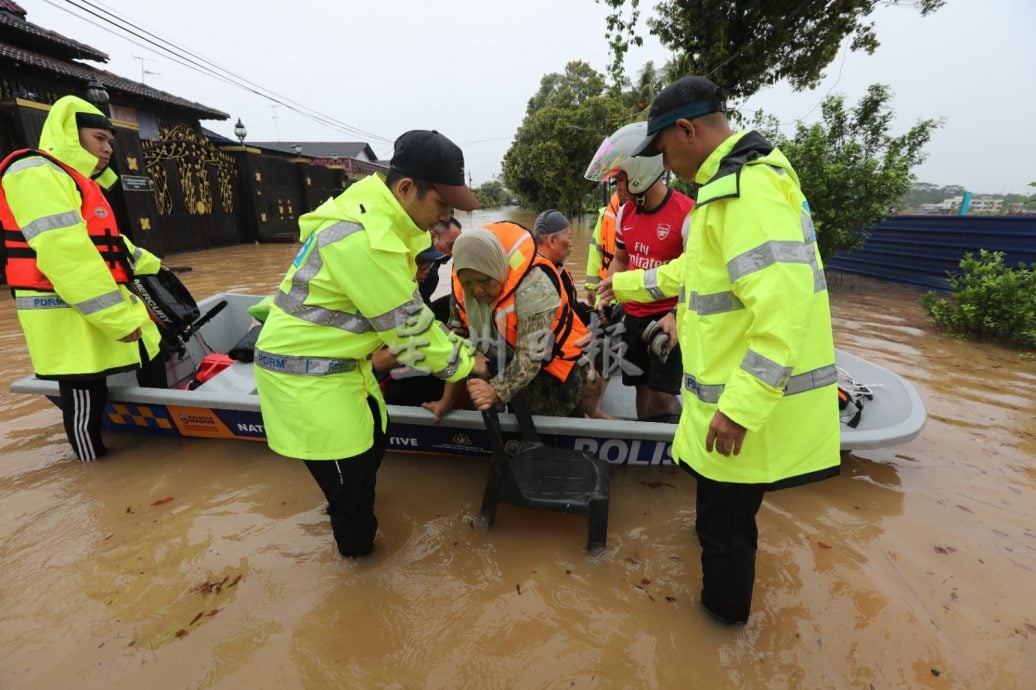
pixel 480 250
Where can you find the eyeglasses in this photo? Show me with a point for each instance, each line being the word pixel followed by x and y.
pixel 442 244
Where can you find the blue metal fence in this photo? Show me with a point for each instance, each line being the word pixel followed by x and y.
pixel 922 249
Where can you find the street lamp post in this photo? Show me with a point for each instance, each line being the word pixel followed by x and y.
pixel 297 148
pixel 240 132
pixel 98 95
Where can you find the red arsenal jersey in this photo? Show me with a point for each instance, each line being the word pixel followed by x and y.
pixel 652 238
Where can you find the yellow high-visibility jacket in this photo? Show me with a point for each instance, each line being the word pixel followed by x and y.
pixel 74 330
pixel 753 321
pixel 602 243
pixel 350 290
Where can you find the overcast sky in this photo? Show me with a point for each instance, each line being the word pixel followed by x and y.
pixel 468 68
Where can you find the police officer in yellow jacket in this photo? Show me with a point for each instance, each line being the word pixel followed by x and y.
pixel 68 267
pixel 602 245
pixel 351 290
pixel 760 394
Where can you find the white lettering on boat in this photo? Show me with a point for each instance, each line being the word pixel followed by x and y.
pixel 251 428
pixel 620 452
pixel 409 441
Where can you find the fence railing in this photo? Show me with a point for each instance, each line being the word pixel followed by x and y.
pixel 921 250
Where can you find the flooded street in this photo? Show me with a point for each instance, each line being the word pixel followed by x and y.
pixel 210 564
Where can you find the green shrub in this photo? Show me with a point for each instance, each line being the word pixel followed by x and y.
pixel 990 301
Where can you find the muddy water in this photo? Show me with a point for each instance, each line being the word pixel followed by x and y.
pixel 914 568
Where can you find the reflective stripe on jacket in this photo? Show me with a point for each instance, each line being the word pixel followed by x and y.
pixel 753 321
pixel 520 249
pixel 21 268
pixel 73 326
pixel 350 290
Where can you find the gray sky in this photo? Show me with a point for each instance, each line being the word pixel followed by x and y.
pixel 468 68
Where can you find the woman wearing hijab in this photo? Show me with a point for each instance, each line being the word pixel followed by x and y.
pixel 510 301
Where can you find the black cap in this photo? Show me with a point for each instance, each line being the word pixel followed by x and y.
pixel 432 254
pixel 93 121
pixel 429 156
pixel 684 99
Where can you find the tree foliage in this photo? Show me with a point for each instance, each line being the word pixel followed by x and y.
pixel 492 194
pixel 564 123
pixel 991 301
pixel 852 171
pixel 743 45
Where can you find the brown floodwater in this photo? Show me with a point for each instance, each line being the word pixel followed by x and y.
pixel 210 564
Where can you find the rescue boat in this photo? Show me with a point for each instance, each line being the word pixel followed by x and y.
pixel 212 396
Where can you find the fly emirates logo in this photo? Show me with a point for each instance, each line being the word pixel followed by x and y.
pixel 639 257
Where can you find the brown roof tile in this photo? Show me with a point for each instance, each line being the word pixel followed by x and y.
pixel 112 82
pixel 12 7
pixel 14 29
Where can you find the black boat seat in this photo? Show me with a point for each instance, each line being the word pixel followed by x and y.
pixel 544 477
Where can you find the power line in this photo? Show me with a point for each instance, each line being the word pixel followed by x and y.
pixel 196 63
pixel 188 55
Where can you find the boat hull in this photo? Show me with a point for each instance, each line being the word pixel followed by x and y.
pixel 226 407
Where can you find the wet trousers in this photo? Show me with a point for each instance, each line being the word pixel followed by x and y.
pixel 83 402
pixel 348 485
pixel 727 532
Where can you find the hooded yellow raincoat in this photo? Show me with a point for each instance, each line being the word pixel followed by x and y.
pixel 77 334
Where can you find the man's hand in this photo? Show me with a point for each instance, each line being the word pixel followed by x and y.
pixel 725 435
pixel 668 325
pixel 605 293
pixel 480 370
pixel 482 394
pixel 591 290
pixel 383 360
pixel 132 337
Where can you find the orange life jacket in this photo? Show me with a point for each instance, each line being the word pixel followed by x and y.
pixel 520 249
pixel 607 245
pixel 20 259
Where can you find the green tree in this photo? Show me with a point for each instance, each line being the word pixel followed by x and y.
pixel 852 171
pixel 492 194
pixel 563 126
pixel 744 45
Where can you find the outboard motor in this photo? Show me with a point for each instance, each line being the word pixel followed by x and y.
pixel 169 302
pixel 172 308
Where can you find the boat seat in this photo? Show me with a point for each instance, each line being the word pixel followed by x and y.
pixel 544 477
pixel 237 379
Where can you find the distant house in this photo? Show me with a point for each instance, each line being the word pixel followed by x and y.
pixel 977 205
pixel 356 158
pixel 357 150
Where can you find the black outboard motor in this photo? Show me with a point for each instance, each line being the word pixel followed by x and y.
pixel 172 308
pixel 169 302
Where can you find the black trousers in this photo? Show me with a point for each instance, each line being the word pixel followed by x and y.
pixel 725 523
pixel 83 402
pixel 348 485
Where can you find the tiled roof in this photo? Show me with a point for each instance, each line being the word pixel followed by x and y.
pixel 320 149
pixel 112 82
pixel 14 29
pixel 12 7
